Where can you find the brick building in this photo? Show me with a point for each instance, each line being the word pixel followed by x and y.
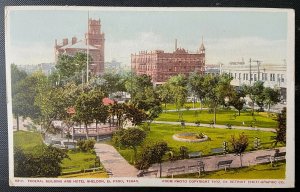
pixel 160 66
pixel 93 43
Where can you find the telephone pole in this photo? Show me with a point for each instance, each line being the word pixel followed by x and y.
pixel 258 64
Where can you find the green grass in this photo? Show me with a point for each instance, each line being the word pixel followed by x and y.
pixel 164 132
pixel 27 140
pixel 263 171
pixel 172 106
pixel 223 117
pixel 78 161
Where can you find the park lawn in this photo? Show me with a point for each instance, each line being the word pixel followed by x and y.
pixel 172 106
pixel 224 117
pixel 164 132
pixel 78 161
pixel 262 171
pixel 27 140
pixel 97 174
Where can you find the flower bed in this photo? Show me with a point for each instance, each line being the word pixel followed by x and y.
pixel 190 137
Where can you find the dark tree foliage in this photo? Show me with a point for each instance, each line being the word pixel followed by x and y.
pixel 281 129
pixel 47 163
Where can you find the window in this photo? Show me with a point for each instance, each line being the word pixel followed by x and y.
pixel 244 76
pixel 271 77
pixel 282 79
pixel 247 77
pixel 255 77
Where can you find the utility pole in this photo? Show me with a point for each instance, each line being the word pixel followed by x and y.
pixel 258 64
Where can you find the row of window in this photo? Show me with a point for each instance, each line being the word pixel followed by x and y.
pixel 258 77
pixel 147 60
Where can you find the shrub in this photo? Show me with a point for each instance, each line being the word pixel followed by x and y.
pixel 86 145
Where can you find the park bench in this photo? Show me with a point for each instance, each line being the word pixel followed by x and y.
pixel 148 173
pixel 224 164
pixel 212 124
pixel 196 168
pixel 195 154
pixel 171 171
pixel 264 159
pixel 279 156
pixel 219 150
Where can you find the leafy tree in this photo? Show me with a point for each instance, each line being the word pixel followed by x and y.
pixel 132 138
pixel 152 154
pixel 237 100
pixel 68 66
pixel 178 87
pixel 165 94
pixel 197 86
pixel 148 100
pixel 218 88
pixel 17 76
pixel 46 163
pixel 87 106
pixel 135 115
pixel 239 145
pixel 117 110
pixel 137 83
pixel 272 97
pixel 281 129
pixel 25 93
pixel 255 93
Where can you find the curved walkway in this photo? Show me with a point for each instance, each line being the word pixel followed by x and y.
pixel 217 126
pixel 114 162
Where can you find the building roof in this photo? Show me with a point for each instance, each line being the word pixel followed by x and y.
pixel 107 101
pixel 79 45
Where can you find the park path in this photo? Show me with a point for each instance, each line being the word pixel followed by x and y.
pixel 217 126
pixel 211 162
pixel 114 162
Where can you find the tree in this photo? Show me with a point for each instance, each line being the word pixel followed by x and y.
pixel 217 89
pixel 137 83
pixel 45 163
pixel 165 94
pixel 68 66
pixel 197 86
pixel 178 87
pixel 272 97
pixel 237 100
pixel 239 145
pixel 17 76
pixel 24 96
pixel 281 129
pixel 255 93
pixel 132 138
pixel 87 106
pixel 148 100
pixel 153 154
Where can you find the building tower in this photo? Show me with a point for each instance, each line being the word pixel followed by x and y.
pixel 95 38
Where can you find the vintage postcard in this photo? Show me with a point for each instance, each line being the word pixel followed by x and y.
pixel 173 97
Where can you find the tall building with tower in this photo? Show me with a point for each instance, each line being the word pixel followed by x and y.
pixel 160 65
pixel 92 44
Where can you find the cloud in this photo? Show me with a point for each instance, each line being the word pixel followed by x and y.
pixel 34 53
pixel 234 49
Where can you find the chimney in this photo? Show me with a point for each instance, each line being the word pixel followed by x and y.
pixel 175 44
pixel 65 41
pixel 74 40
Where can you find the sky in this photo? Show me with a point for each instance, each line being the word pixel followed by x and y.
pixel 227 36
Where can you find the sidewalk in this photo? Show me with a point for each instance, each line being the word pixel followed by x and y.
pixel 114 162
pixel 211 162
pixel 217 126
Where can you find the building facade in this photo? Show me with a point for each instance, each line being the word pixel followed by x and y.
pixel 273 75
pixel 160 65
pixel 92 44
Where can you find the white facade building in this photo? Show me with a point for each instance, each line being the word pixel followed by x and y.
pixel 273 75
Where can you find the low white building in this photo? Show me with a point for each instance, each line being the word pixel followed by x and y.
pixel 273 75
